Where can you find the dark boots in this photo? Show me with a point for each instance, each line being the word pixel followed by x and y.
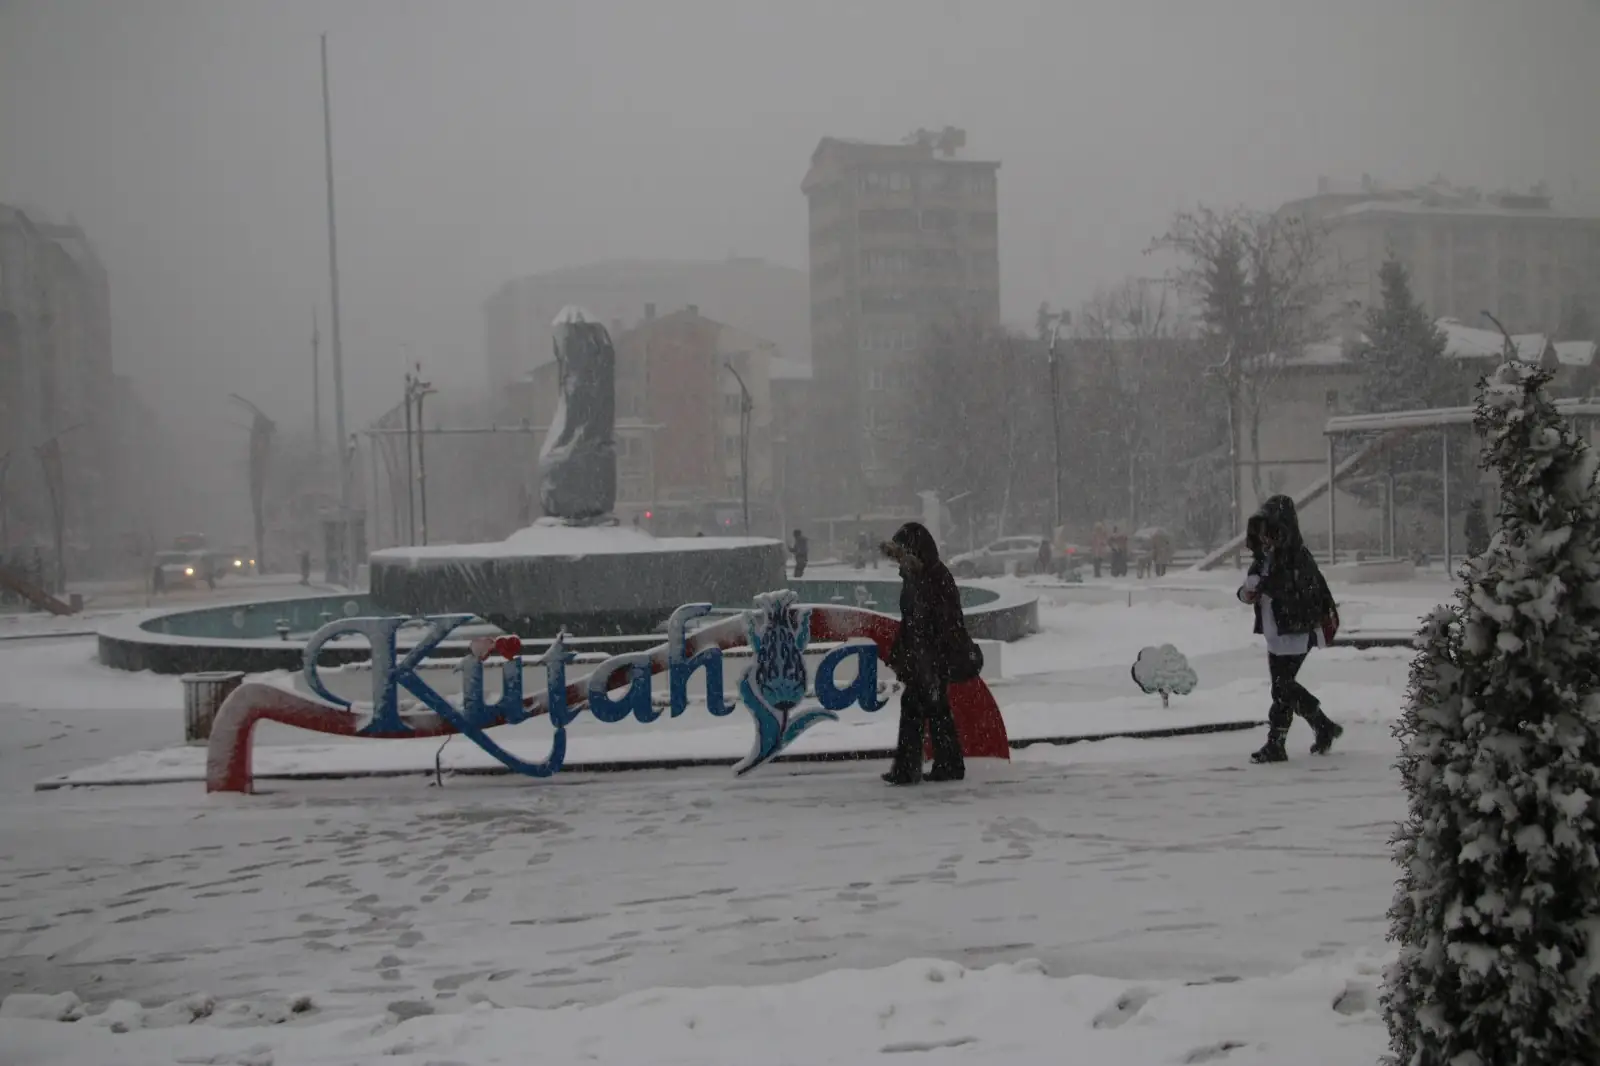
pixel 1273 750
pixel 907 766
pixel 1326 731
pixel 948 764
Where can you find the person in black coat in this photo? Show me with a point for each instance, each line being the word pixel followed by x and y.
pixel 930 645
pixel 1477 529
pixel 802 553
pixel 1292 602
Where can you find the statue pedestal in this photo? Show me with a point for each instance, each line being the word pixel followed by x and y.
pixel 592 580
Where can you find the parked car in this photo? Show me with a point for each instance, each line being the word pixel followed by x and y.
pixel 1020 554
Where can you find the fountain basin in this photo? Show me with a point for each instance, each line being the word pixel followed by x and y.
pixel 593 581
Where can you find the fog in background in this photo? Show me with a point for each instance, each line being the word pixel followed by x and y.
pixel 477 140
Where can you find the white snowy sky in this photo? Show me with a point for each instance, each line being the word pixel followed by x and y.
pixel 479 139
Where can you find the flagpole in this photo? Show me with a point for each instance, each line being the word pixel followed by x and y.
pixel 347 519
pixel 316 384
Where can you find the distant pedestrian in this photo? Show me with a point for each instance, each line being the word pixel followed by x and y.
pixel 158 580
pixel 931 649
pixel 1117 541
pixel 863 549
pixel 1161 551
pixel 1042 563
pixel 1477 529
pixel 305 567
pixel 1099 545
pixel 1294 612
pixel 802 553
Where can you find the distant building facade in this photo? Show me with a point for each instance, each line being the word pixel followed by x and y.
pixel 58 395
pixel 1516 255
pixel 903 238
pixel 764 299
pixel 1323 381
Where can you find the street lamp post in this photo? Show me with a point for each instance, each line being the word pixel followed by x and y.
pixel 411 469
pixel 746 407
pixel 423 389
pixel 262 429
pixel 1055 404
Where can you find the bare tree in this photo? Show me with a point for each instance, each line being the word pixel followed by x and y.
pixel 977 410
pixel 1265 285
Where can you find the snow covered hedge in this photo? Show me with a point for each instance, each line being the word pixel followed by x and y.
pixel 1497 912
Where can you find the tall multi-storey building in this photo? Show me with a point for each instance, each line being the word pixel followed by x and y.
pixel 1516 255
pixel 904 239
pixel 57 390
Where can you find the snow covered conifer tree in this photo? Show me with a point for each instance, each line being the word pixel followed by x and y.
pixel 1497 912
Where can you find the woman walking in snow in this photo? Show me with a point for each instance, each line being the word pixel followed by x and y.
pixel 931 650
pixel 1293 609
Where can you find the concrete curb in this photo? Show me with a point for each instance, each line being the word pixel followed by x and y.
pixel 686 762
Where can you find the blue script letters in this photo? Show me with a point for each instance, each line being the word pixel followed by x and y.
pixel 773 688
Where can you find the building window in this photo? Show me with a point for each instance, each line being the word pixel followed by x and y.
pixel 730 445
pixel 939 219
pixel 934 179
pixel 875 380
pixel 984 222
pixel 886 180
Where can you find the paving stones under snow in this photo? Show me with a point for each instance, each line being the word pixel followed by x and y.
pixel 935 1011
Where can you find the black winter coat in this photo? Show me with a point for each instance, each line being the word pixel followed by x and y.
pixel 933 633
pixel 1292 580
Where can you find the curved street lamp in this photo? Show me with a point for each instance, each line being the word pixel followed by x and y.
pixel 746 407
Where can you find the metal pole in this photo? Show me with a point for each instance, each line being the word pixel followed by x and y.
pixel 746 406
pixel 349 569
pixel 411 472
pixel 1333 551
pixel 372 506
pixel 316 385
pixel 422 467
pixel 5 505
pixel 1444 479
pixel 1055 411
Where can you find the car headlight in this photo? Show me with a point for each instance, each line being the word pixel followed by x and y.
pixel 238 562
pixel 188 571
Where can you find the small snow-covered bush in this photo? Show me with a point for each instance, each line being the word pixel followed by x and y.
pixel 1164 669
pixel 1497 911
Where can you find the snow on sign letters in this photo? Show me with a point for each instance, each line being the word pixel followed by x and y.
pixel 772 688
pixel 1164 669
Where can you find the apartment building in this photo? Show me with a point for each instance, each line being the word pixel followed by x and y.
pixel 1518 255
pixel 903 238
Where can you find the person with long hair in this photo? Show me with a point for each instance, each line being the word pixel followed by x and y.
pixel 1293 606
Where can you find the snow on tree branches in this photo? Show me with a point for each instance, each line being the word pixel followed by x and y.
pixel 1497 912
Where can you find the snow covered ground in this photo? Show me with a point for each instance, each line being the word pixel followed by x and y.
pixel 1129 901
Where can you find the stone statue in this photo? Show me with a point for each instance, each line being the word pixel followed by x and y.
pixel 578 463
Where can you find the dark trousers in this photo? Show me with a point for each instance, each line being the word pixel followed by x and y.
pixel 1289 696
pixel 920 704
pixel 800 566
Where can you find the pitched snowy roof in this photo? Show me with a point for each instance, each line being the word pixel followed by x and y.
pixel 1464 342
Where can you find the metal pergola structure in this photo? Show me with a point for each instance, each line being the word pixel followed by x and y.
pixel 1404 423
